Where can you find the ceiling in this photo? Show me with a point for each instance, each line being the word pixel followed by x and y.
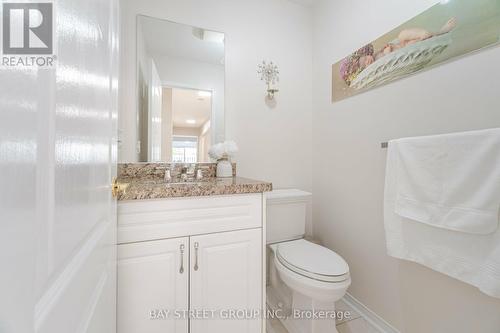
pixel 307 3
pixel 188 105
pixel 165 38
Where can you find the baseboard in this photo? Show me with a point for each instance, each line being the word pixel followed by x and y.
pixel 375 320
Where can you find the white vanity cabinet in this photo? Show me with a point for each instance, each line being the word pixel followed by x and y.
pixel 152 276
pixel 226 275
pixel 201 255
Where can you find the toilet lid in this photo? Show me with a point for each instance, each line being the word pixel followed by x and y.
pixel 312 260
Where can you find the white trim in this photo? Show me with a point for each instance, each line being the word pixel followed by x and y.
pixel 371 317
pixel 264 261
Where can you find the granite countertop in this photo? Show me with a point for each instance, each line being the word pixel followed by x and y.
pixel 143 189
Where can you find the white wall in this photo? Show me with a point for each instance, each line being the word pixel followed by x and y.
pixel 143 56
pixel 133 144
pixel 349 164
pixel 275 144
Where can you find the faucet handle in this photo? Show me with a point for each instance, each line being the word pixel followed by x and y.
pixel 168 175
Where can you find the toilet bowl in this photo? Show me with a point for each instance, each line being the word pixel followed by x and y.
pixel 317 277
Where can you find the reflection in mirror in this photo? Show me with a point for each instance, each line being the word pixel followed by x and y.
pixel 180 82
pixel 191 111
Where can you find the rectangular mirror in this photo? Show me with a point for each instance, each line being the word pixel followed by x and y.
pixel 180 85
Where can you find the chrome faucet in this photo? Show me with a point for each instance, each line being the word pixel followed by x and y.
pixel 184 173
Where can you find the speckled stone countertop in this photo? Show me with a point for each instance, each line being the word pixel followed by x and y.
pixel 144 189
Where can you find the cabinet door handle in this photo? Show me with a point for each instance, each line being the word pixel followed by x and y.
pixel 181 270
pixel 196 246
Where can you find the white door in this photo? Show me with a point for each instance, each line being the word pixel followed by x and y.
pixel 57 159
pixel 153 282
pixel 226 274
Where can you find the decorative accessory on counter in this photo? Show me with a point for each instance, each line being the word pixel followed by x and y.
pixel 224 168
pixel 270 74
pixel 222 153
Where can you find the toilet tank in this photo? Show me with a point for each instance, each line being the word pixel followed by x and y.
pixel 286 214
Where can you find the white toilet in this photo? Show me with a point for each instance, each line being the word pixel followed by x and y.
pixel 304 279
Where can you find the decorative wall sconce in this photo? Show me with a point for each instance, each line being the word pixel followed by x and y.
pixel 270 74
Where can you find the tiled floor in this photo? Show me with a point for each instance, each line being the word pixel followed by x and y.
pixel 356 326
pixel 274 326
pixel 353 324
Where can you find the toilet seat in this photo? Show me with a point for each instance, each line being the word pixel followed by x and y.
pixel 312 261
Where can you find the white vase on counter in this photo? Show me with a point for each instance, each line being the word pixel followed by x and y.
pixel 224 168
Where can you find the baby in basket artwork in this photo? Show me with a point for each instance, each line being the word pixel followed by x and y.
pixel 411 51
pixel 445 31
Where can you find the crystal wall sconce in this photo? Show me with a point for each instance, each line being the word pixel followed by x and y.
pixel 270 74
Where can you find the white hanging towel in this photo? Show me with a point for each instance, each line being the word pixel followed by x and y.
pixel 441 206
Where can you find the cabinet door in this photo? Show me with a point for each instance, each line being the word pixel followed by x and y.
pixel 153 286
pixel 226 275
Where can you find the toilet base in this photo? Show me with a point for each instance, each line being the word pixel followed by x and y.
pixel 313 316
pixel 305 315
